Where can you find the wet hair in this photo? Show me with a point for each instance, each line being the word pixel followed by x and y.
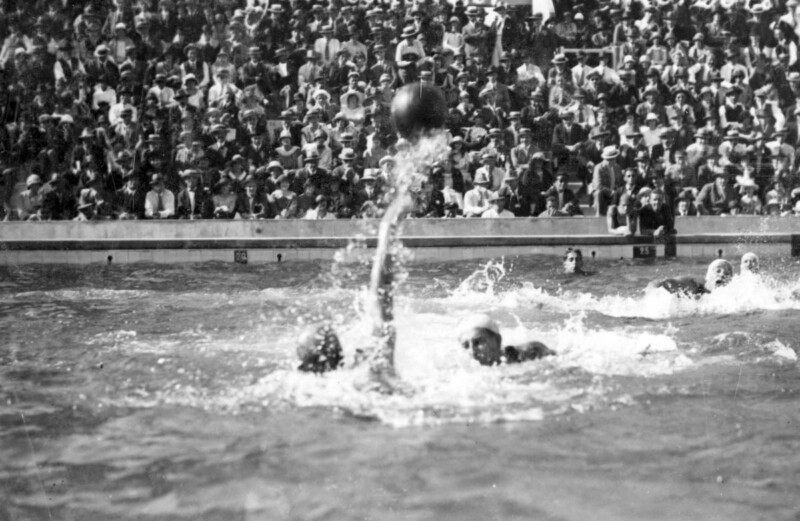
pixel 319 349
pixel 577 251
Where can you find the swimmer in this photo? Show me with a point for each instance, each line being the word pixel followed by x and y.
pixel 573 261
pixel 319 349
pixel 718 274
pixel 481 335
pixel 749 264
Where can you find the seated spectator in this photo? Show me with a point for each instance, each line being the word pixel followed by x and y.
pixel 58 199
pixel 340 202
pixel 320 210
pixel 254 205
pixel 369 197
pixel 224 199
pixel 283 196
pixel 685 207
pixel 194 201
pixel 476 201
pixel 29 202
pixel 516 201
pixel 718 197
pixel 655 219
pixel 129 200
pixel 353 108
pixel 565 201
pixel 749 202
pixel 92 202
pixel 306 200
pixel 159 203
pixel 497 208
pixel 621 218
pixel 777 200
pixel 607 176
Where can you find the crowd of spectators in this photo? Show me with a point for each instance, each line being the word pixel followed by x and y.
pixel 228 109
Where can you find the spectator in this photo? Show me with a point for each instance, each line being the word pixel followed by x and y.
pixel 497 208
pixel 564 200
pixel 749 202
pixel 686 207
pixel 476 201
pixel 621 218
pixel 607 176
pixel 185 88
pixel 717 197
pixel 655 218
pixel 159 202
pixel 194 202
pixel 29 203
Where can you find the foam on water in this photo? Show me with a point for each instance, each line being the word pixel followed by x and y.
pixel 83 294
pixel 746 293
pixel 441 381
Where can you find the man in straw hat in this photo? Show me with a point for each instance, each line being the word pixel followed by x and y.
pixel 476 201
pixel 606 177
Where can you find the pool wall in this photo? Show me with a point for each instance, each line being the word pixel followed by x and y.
pixel 180 241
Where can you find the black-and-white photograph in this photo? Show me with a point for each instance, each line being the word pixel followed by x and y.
pixel 384 260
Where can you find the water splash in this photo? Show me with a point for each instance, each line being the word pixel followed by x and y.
pixel 744 294
pixel 484 280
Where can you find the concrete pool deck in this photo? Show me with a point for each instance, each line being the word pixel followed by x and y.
pixel 181 241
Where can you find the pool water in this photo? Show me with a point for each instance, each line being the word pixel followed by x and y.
pixel 149 392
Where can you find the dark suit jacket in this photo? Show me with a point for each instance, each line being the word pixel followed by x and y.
pixel 563 137
pixel 567 198
pixel 203 206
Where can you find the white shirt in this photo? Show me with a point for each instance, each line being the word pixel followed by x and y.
pixel 492 213
pixel 167 202
pixel 116 110
pixel 109 96
pixel 476 201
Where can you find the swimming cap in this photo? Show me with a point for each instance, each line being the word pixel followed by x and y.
pixel 711 277
pixel 480 321
pixel 720 262
pixel 746 261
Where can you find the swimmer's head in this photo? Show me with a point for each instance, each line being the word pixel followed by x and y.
pixel 573 261
pixel 749 263
pixel 319 349
pixel 481 335
pixel 719 274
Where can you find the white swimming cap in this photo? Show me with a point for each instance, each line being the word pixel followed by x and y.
pixel 720 262
pixel 747 259
pixel 479 321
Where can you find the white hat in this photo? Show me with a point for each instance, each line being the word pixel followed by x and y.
pixel 610 152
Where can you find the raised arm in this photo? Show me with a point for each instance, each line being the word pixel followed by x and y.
pixel 381 292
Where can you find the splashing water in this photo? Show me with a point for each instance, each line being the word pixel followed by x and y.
pixel 484 280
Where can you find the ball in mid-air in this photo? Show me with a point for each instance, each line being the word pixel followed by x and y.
pixel 418 108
